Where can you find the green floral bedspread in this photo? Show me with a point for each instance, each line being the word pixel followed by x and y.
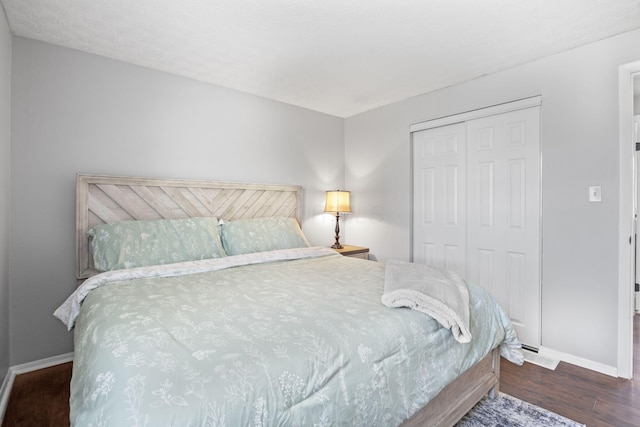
pixel 297 343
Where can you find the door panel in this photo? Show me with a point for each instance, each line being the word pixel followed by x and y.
pixel 439 197
pixel 503 214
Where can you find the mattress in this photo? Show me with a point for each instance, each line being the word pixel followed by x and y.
pixel 291 337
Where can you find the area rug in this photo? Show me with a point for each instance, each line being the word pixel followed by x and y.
pixel 506 411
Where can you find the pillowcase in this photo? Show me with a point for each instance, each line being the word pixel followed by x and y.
pixel 130 244
pixel 245 236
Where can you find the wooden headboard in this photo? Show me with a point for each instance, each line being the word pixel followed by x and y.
pixel 102 199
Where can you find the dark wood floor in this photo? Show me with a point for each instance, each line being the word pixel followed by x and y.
pixel 580 394
pixel 40 398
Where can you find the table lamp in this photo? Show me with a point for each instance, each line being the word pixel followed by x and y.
pixel 336 202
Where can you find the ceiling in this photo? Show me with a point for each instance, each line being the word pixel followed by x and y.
pixel 340 57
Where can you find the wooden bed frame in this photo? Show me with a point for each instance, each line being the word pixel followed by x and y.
pixel 456 399
pixel 104 199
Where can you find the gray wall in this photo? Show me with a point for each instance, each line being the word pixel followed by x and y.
pixel 75 112
pixel 579 126
pixel 5 165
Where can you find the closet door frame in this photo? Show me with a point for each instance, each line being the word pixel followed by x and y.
pixel 534 339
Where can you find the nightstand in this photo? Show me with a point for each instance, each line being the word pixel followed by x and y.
pixel 354 251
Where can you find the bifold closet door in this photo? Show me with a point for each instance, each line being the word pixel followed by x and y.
pixel 476 208
pixel 439 197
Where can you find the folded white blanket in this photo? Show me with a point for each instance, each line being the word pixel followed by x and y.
pixel 440 293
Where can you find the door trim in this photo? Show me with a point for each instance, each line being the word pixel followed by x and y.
pixel 534 101
pixel 625 219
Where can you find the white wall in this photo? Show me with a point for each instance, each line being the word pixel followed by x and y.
pixel 75 112
pixel 5 166
pixel 579 136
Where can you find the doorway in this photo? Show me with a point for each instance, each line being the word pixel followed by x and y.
pixel 626 219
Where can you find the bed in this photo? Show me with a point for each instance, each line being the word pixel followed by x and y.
pixel 260 330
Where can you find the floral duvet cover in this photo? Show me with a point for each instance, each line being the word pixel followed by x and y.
pixel 295 337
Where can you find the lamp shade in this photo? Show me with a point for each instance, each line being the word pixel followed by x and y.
pixel 337 201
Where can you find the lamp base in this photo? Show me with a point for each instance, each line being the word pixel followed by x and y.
pixel 337 244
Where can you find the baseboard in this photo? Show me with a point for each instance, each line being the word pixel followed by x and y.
pixel 5 390
pixel 579 361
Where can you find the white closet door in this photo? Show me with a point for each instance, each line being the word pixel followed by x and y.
pixel 503 214
pixel 439 181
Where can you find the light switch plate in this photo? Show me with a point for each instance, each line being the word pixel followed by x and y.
pixel 595 193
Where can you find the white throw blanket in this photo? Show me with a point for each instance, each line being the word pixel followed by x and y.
pixel 440 293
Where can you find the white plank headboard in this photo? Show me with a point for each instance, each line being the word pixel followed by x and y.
pixel 103 199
